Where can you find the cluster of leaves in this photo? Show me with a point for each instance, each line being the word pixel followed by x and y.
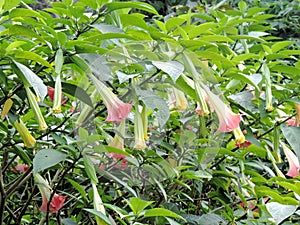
pixel 188 173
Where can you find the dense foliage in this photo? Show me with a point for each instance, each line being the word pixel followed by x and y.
pixel 120 112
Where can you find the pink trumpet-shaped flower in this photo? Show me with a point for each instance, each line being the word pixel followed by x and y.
pixel 293 161
pixel 117 110
pixel 228 121
pixel 57 201
pixel 297 107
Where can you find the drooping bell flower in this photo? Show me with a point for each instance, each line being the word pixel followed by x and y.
pixel 139 137
pixel 6 107
pixel 57 200
pixel 36 109
pixel 57 96
pixel 292 160
pixel 239 136
pixel 28 139
pixel 118 142
pixel 202 99
pixel 117 110
pixel 228 121
pixel 180 101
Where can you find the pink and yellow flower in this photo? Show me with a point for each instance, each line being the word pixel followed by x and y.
pixel 228 121
pixel 117 109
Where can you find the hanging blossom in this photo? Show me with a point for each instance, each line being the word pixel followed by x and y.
pixel 239 136
pixel 57 201
pixel 178 99
pixel 36 109
pixel 228 121
pixel 118 142
pixel 139 135
pixel 292 160
pixel 28 139
pixel 57 96
pixel 117 110
pixel 6 107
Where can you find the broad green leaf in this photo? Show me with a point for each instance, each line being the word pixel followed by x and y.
pixel 107 148
pixel 107 28
pixel 162 212
pixel 293 71
pixel 215 38
pixel 19 30
pixel 173 23
pixel 21 12
pixel 137 205
pixel 100 215
pixel 78 187
pixel 31 79
pixel 173 68
pixel 32 56
pixel 280 212
pixel 9 4
pixel 68 221
pixel 202 28
pixel 197 175
pixel 111 6
pixel 211 219
pixel 292 135
pixel 156 104
pixel 245 56
pixel 280 45
pixel 46 158
pixel 215 56
pixel 247 37
pixel 294 187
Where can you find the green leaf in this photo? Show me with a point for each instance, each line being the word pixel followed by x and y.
pixel 211 219
pixel 107 148
pixel 293 71
pixel 19 30
pixel 215 38
pixel 31 79
pixel 197 175
pixel 78 187
pixel 21 12
pixel 292 135
pixel 162 212
pixel 9 4
pixel 173 68
pixel 111 6
pixel 280 45
pixel 174 22
pixel 100 215
pixel 156 104
pixel 32 56
pixel 215 56
pixel 46 158
pixel 137 205
pixel 280 212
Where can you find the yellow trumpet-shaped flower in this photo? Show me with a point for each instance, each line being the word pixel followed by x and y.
pixel 28 139
pixel 36 109
pixel 7 106
pixel 239 136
